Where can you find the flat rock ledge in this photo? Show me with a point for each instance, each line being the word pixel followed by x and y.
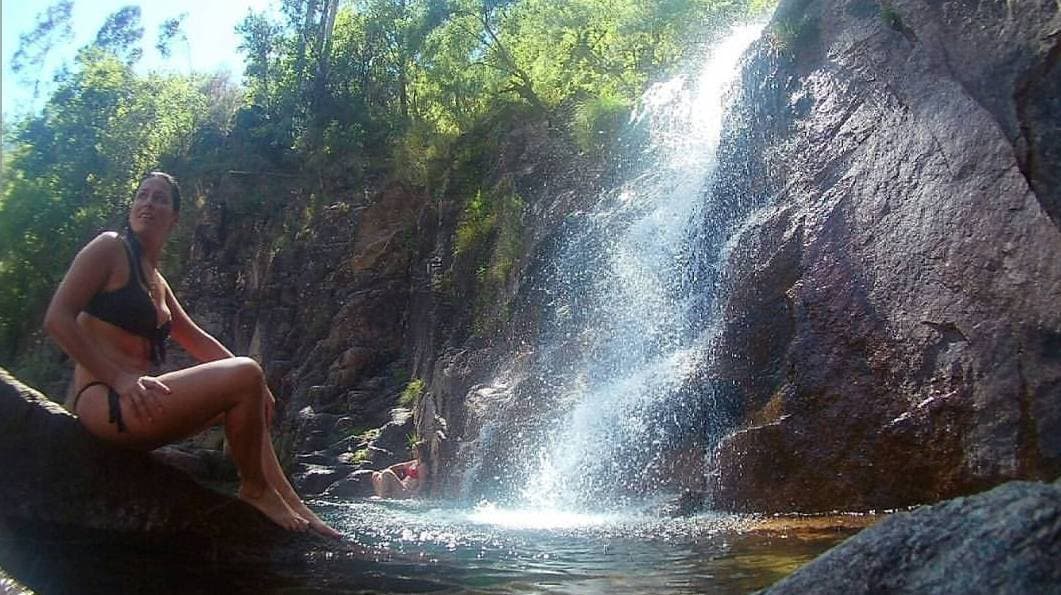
pixel 62 486
pixel 1006 540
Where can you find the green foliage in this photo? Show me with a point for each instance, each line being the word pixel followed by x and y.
pixel 597 120
pixel 169 31
pixel 508 244
pixel 489 239
pixel 545 53
pixel 410 396
pixel 788 32
pixel 52 27
pixel 39 366
pixel 402 79
pixel 363 434
pixel 359 456
pixel 72 169
pixel 345 92
pixel 121 33
pixel 492 306
pixel 758 8
pixel 475 225
pixel 417 151
pixel 411 440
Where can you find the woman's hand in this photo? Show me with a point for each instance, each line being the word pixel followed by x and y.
pixel 143 393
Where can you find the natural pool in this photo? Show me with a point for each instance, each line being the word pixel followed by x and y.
pixel 487 549
pixel 428 547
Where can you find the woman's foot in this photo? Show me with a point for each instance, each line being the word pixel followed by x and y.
pixel 315 521
pixel 269 502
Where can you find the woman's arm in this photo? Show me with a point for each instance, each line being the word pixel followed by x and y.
pixel 88 274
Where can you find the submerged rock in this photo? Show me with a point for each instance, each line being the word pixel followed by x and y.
pixel 1007 540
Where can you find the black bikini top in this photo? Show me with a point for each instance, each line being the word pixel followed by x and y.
pixel 130 307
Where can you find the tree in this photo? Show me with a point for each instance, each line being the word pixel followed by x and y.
pixel 121 34
pixel 171 30
pixel 72 168
pixel 52 27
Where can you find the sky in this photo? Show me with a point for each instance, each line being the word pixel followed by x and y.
pixel 209 26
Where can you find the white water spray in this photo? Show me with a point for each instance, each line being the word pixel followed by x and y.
pixel 639 349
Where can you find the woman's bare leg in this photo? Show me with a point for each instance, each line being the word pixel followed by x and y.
pixel 274 474
pixel 231 386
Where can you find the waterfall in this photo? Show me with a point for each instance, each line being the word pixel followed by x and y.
pixel 624 338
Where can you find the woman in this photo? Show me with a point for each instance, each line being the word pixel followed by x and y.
pixel 403 480
pixel 112 313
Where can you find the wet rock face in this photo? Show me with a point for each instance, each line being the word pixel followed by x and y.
pixel 892 316
pixel 366 293
pixel 1006 540
pixel 324 309
pixel 340 468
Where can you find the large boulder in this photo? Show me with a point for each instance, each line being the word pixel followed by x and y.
pixel 318 472
pixel 62 486
pixel 1007 540
pixel 891 321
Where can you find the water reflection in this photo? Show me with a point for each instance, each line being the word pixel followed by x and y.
pixel 498 550
pixel 417 547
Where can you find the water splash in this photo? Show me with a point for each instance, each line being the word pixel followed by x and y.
pixel 607 408
pixel 490 514
pixel 631 344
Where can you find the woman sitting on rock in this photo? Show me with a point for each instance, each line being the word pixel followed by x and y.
pixel 403 480
pixel 112 313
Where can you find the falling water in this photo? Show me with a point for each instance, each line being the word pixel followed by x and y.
pixel 627 339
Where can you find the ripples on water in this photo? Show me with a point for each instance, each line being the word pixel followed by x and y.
pixel 496 550
pixel 418 547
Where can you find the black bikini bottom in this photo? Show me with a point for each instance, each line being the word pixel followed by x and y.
pixel 113 405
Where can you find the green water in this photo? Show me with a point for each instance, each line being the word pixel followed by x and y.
pixel 427 547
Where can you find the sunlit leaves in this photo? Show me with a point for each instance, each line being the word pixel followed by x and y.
pixel 73 167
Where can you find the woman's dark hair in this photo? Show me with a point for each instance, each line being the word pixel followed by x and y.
pixel 175 200
pixel 174 187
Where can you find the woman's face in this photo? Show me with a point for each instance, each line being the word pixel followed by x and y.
pixel 152 211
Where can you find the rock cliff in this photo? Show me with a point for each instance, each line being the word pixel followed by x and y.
pixel 892 317
pixel 349 296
